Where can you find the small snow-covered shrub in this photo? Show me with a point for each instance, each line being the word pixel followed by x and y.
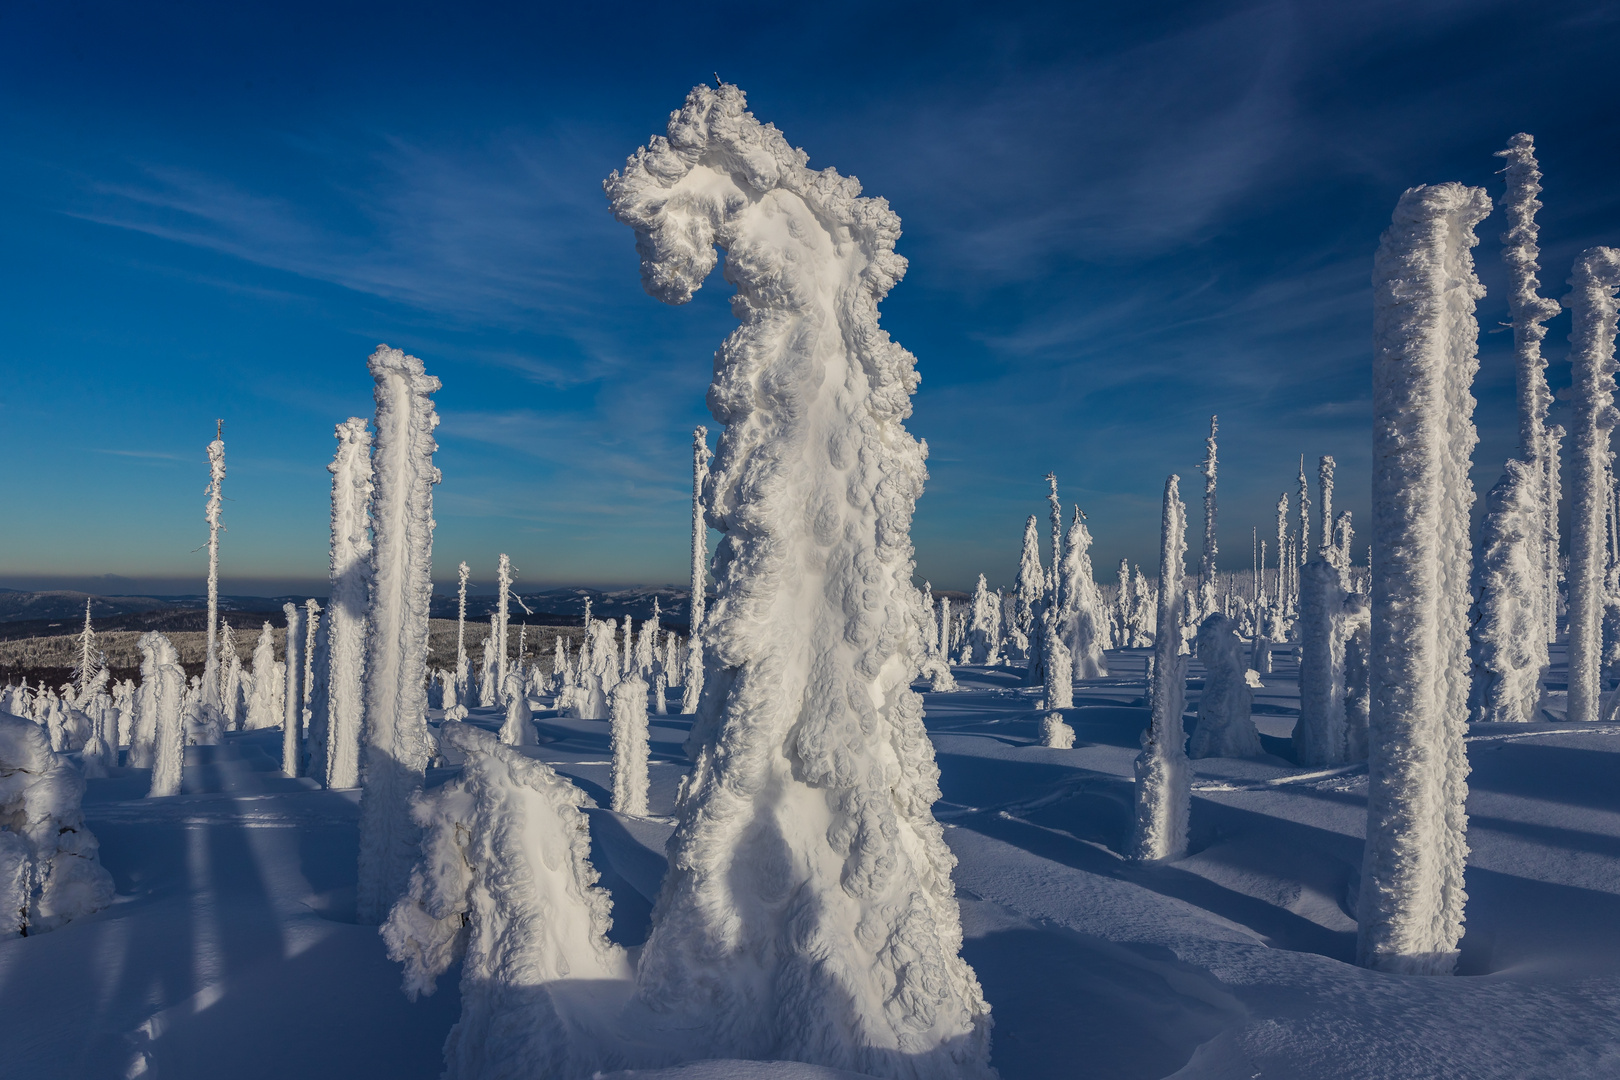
pixel 1225 726
pixel 1055 733
pixel 505 884
pixel 50 870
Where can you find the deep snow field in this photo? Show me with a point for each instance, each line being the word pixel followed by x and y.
pixel 232 950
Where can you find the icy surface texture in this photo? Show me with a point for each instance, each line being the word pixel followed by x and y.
pixel 808 911
pixel 1424 358
pixel 505 885
pixel 50 870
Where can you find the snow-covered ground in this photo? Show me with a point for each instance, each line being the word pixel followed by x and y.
pixel 233 948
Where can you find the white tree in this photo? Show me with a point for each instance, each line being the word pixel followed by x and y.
pixel 1324 513
pixel 518 730
pixel 317 665
pixel 50 866
pixel 231 663
pixel 1058 664
pixel 1424 360
pixel 1054 514
pixel 1225 721
pixel 1510 641
pixel 395 741
pixel 984 625
pixel 692 682
pixel 860 968
pixel 213 696
pixel 168 729
pixel 1055 733
pixel 264 695
pixel 1592 304
pixel 463 573
pixel 292 709
pixel 1082 621
pixel 504 884
pixel 1206 563
pixel 1163 777
pixel 346 606
pixel 491 662
pixel 629 734
pixel 503 619
pixel 1028 588
pixel 1322 735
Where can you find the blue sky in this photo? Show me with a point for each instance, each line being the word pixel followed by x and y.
pixel 1120 219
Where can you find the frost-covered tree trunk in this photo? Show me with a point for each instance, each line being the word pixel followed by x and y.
pixel 1206 564
pixel 692 681
pixel 504 883
pixel 1303 546
pixel 88 667
pixel 486 671
pixel 350 568
pixel 518 730
pixel 1083 623
pixel 1028 588
pixel 1510 642
pixel 1054 514
pixel 1320 735
pixel 463 573
pixel 1424 361
pixel 264 696
pixel 1225 721
pixel 1325 467
pixel 317 665
pixel 1592 304
pixel 983 627
pixel 836 945
pixel 1163 777
pixel 292 711
pixel 212 692
pixel 168 729
pixel 503 619
pixel 629 734
pixel 231 663
pixel 1055 733
pixel 395 741
pixel 1059 664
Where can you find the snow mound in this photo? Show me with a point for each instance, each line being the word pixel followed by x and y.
pixel 50 870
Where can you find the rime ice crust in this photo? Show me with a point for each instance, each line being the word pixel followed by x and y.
pixel 808 911
pixel 1424 359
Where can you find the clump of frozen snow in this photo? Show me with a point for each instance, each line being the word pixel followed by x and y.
pixel 50 868
pixel 505 885
pixel 808 912
pixel 1055 733
pixel 1225 726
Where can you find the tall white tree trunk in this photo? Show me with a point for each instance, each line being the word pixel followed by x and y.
pixel 849 954
pixel 395 740
pixel 168 729
pixel 213 693
pixel 692 682
pixel 1163 777
pixel 1424 360
pixel 1592 303
pixel 292 709
pixel 346 607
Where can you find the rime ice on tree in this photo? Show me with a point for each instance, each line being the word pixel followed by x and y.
pixel 1424 360
pixel 803 700
pixel 395 739
pixel 212 696
pixel 692 682
pixel 346 609
pixel 1163 777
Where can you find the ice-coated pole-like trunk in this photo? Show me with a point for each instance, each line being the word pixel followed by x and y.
pixel 808 912
pixel 503 619
pixel 317 666
pixel 167 727
pixel 1163 777
pixel 1303 546
pixel 395 740
pixel 628 735
pixel 1425 342
pixel 692 680
pixel 1206 563
pixel 1054 514
pixel 463 573
pixel 1282 548
pixel 292 702
pixel 1521 251
pixel 1592 305
pixel 1324 512
pixel 350 568
pixel 213 695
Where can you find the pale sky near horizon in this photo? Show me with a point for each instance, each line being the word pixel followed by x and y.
pixel 1120 219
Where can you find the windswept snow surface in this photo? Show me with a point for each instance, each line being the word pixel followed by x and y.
pixel 234 920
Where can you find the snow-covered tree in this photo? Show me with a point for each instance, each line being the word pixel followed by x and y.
pixel 1325 467
pixel 50 866
pixel 1082 621
pixel 1057 663
pixel 629 734
pixel 502 620
pixel 395 741
pixel 463 573
pixel 317 666
pixel 1028 589
pixel 692 681
pixel 1206 563
pixel 1510 642
pixel 149 703
pixel 346 607
pixel 490 664
pixel 518 730
pixel 1054 514
pixel 984 626
pixel 860 969
pixel 1322 733
pixel 504 884
pixel 89 665
pixel 292 710
pixel 212 691
pixel 1055 733
pixel 1592 304
pixel 168 728
pixel 1163 777
pixel 1538 446
pixel 1225 721
pixel 1424 360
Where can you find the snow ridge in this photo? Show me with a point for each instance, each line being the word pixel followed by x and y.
pixel 808 912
